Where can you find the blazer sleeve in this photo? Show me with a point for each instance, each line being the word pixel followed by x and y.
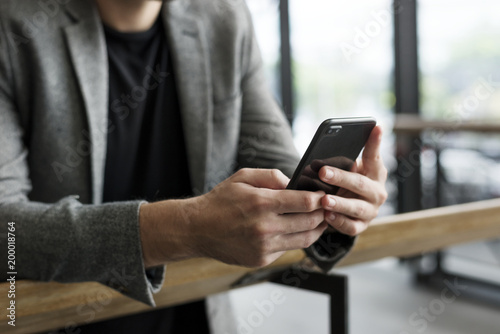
pixel 265 136
pixel 266 141
pixel 65 241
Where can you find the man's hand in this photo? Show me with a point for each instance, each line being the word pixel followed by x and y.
pixel 249 219
pixel 362 190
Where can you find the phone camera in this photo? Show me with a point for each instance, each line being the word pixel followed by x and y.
pixel 333 130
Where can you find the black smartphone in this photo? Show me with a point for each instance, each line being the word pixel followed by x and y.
pixel 338 143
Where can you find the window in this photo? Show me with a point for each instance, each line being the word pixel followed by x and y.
pixel 266 17
pixel 343 60
pixel 459 57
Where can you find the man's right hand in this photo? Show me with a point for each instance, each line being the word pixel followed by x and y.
pixel 248 219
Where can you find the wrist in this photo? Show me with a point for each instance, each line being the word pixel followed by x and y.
pixel 164 229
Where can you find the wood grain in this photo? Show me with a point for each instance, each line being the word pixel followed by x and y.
pixel 47 306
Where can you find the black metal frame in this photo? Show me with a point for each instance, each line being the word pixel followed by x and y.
pixel 406 87
pixel 286 87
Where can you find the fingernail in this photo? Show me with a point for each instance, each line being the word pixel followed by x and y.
pixel 331 202
pixel 332 216
pixel 328 174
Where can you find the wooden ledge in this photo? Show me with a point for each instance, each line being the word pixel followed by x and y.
pixel 414 125
pixel 48 306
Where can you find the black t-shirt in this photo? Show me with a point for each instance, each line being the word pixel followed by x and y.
pixel 146 154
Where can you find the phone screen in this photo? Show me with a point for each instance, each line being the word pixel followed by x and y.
pixel 337 143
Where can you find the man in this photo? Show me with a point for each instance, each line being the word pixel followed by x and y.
pixel 111 108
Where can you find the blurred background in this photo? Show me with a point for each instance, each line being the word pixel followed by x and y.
pixel 405 63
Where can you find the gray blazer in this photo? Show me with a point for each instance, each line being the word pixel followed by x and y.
pixel 54 125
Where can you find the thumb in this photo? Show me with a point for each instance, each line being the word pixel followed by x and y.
pixel 372 164
pixel 262 178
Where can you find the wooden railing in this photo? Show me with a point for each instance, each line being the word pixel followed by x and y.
pixel 47 306
pixel 415 125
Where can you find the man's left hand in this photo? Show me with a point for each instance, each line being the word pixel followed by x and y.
pixel 362 190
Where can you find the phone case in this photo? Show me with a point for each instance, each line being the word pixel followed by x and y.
pixel 337 142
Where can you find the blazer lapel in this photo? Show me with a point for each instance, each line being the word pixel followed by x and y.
pixel 191 58
pixel 87 48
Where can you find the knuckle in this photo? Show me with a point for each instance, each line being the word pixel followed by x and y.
pixel 257 203
pixel 361 183
pixel 244 172
pixel 275 174
pixel 278 204
pixel 259 232
pixel 359 211
pixel 309 203
pixel 383 196
pixel 311 223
